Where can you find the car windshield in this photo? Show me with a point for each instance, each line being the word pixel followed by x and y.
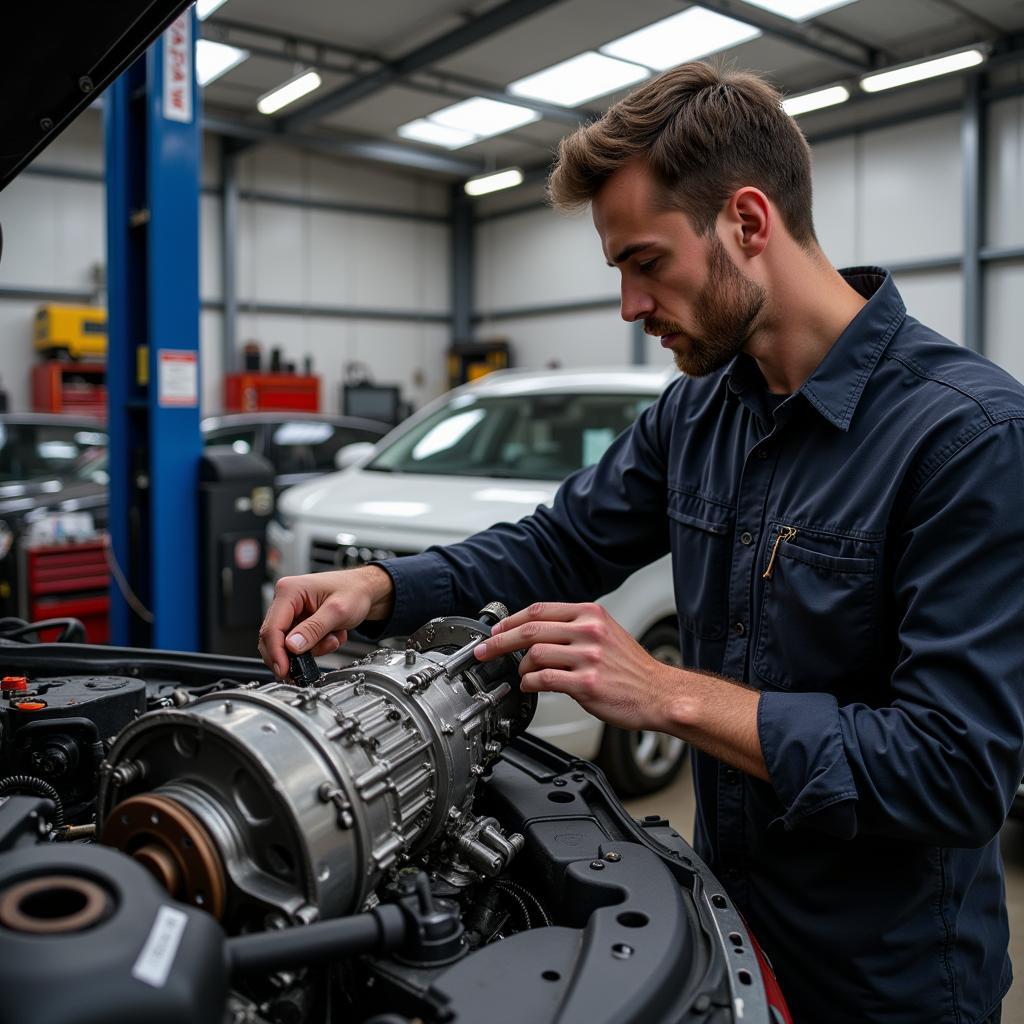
pixel 529 437
pixel 31 451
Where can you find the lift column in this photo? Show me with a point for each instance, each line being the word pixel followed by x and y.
pixel 153 147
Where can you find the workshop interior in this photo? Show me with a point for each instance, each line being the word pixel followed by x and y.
pixel 280 293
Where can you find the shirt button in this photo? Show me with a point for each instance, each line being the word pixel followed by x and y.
pixel 762 453
pixel 732 775
pixel 739 629
pixel 746 537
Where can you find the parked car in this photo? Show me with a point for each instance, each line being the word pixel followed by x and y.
pixel 53 486
pixel 298 445
pixel 487 452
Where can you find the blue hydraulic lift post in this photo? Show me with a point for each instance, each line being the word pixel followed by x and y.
pixel 153 148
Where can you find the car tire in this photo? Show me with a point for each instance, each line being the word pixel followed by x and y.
pixel 641 762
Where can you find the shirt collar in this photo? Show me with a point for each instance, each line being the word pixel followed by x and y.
pixel 836 385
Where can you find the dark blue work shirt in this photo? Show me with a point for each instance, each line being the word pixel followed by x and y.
pixel 856 553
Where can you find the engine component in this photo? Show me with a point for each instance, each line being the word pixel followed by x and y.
pixel 271 805
pixel 52 729
pixel 89 935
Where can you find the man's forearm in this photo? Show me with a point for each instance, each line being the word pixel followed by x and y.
pixel 717 716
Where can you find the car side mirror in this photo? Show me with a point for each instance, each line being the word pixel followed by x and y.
pixel 349 454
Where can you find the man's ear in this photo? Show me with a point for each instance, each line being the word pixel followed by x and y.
pixel 751 218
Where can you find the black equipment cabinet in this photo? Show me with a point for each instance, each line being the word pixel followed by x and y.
pixel 236 500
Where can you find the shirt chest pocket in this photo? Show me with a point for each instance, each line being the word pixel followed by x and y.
pixel 701 533
pixel 818 611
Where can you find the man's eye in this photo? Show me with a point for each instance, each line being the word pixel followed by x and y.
pixel 648 265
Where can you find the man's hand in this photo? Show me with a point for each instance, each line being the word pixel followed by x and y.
pixel 315 612
pixel 580 650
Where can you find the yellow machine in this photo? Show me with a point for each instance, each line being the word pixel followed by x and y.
pixel 71 332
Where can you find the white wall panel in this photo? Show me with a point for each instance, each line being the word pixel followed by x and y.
pixel 18 355
pixel 936 299
pixel 593 338
pixel 211 364
pixel 399 264
pixel 1005 220
pixel 273 256
pixel 912 188
pixel 1004 340
pixel 836 214
pixel 209 247
pixel 538 258
pixel 335 180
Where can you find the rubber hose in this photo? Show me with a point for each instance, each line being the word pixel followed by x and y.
pixel 38 787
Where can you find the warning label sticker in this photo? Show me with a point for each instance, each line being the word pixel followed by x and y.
pixel 178 378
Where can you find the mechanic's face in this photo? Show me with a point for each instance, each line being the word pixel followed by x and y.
pixel 685 287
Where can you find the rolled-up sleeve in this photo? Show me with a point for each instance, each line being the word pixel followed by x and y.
pixel 607 521
pixel 940 762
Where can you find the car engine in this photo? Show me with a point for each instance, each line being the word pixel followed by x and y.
pixel 184 837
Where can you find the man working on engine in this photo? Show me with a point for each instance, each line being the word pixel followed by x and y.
pixel 841 490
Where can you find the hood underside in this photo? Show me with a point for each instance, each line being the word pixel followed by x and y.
pixel 58 61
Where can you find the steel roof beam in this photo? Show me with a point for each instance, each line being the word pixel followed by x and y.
pixel 376 150
pixel 493 21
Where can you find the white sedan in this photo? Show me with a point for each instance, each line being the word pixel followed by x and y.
pixel 489 452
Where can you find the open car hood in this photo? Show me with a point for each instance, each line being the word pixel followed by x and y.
pixel 60 58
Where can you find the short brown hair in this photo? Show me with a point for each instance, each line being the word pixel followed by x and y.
pixel 704 131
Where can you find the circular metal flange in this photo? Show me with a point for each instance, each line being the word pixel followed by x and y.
pixel 53 905
pixel 172 845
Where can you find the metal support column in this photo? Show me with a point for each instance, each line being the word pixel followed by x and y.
pixel 972 142
pixel 462 265
pixel 152 156
pixel 228 252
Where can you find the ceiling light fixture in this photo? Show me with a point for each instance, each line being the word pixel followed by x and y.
pixel 494 181
pixel 797 105
pixel 691 34
pixel 204 8
pixel 424 130
pixel 292 90
pixel 799 10
pixel 216 59
pixel 921 70
pixel 578 79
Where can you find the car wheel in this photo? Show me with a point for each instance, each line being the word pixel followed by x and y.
pixel 641 762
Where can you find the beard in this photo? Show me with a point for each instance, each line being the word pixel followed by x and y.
pixel 726 313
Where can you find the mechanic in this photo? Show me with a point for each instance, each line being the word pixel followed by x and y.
pixel 842 493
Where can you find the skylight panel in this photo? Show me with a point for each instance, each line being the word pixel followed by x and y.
pixel 578 79
pixel 689 35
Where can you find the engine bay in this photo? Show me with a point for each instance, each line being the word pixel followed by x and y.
pixel 186 837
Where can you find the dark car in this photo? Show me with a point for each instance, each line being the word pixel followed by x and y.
pixel 52 490
pixel 298 445
pixel 53 498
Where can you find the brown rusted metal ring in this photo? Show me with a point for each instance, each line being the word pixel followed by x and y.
pixel 86 905
pixel 173 845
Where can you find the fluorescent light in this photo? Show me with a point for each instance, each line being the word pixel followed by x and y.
pixel 578 79
pixel 797 105
pixel 484 117
pixel 204 8
pixel 799 10
pixel 292 90
pixel 215 59
pixel 685 36
pixel 423 130
pixel 921 70
pixel 484 183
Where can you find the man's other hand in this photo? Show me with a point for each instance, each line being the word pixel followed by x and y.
pixel 315 612
pixel 580 650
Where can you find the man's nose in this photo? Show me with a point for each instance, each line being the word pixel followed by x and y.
pixel 636 304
